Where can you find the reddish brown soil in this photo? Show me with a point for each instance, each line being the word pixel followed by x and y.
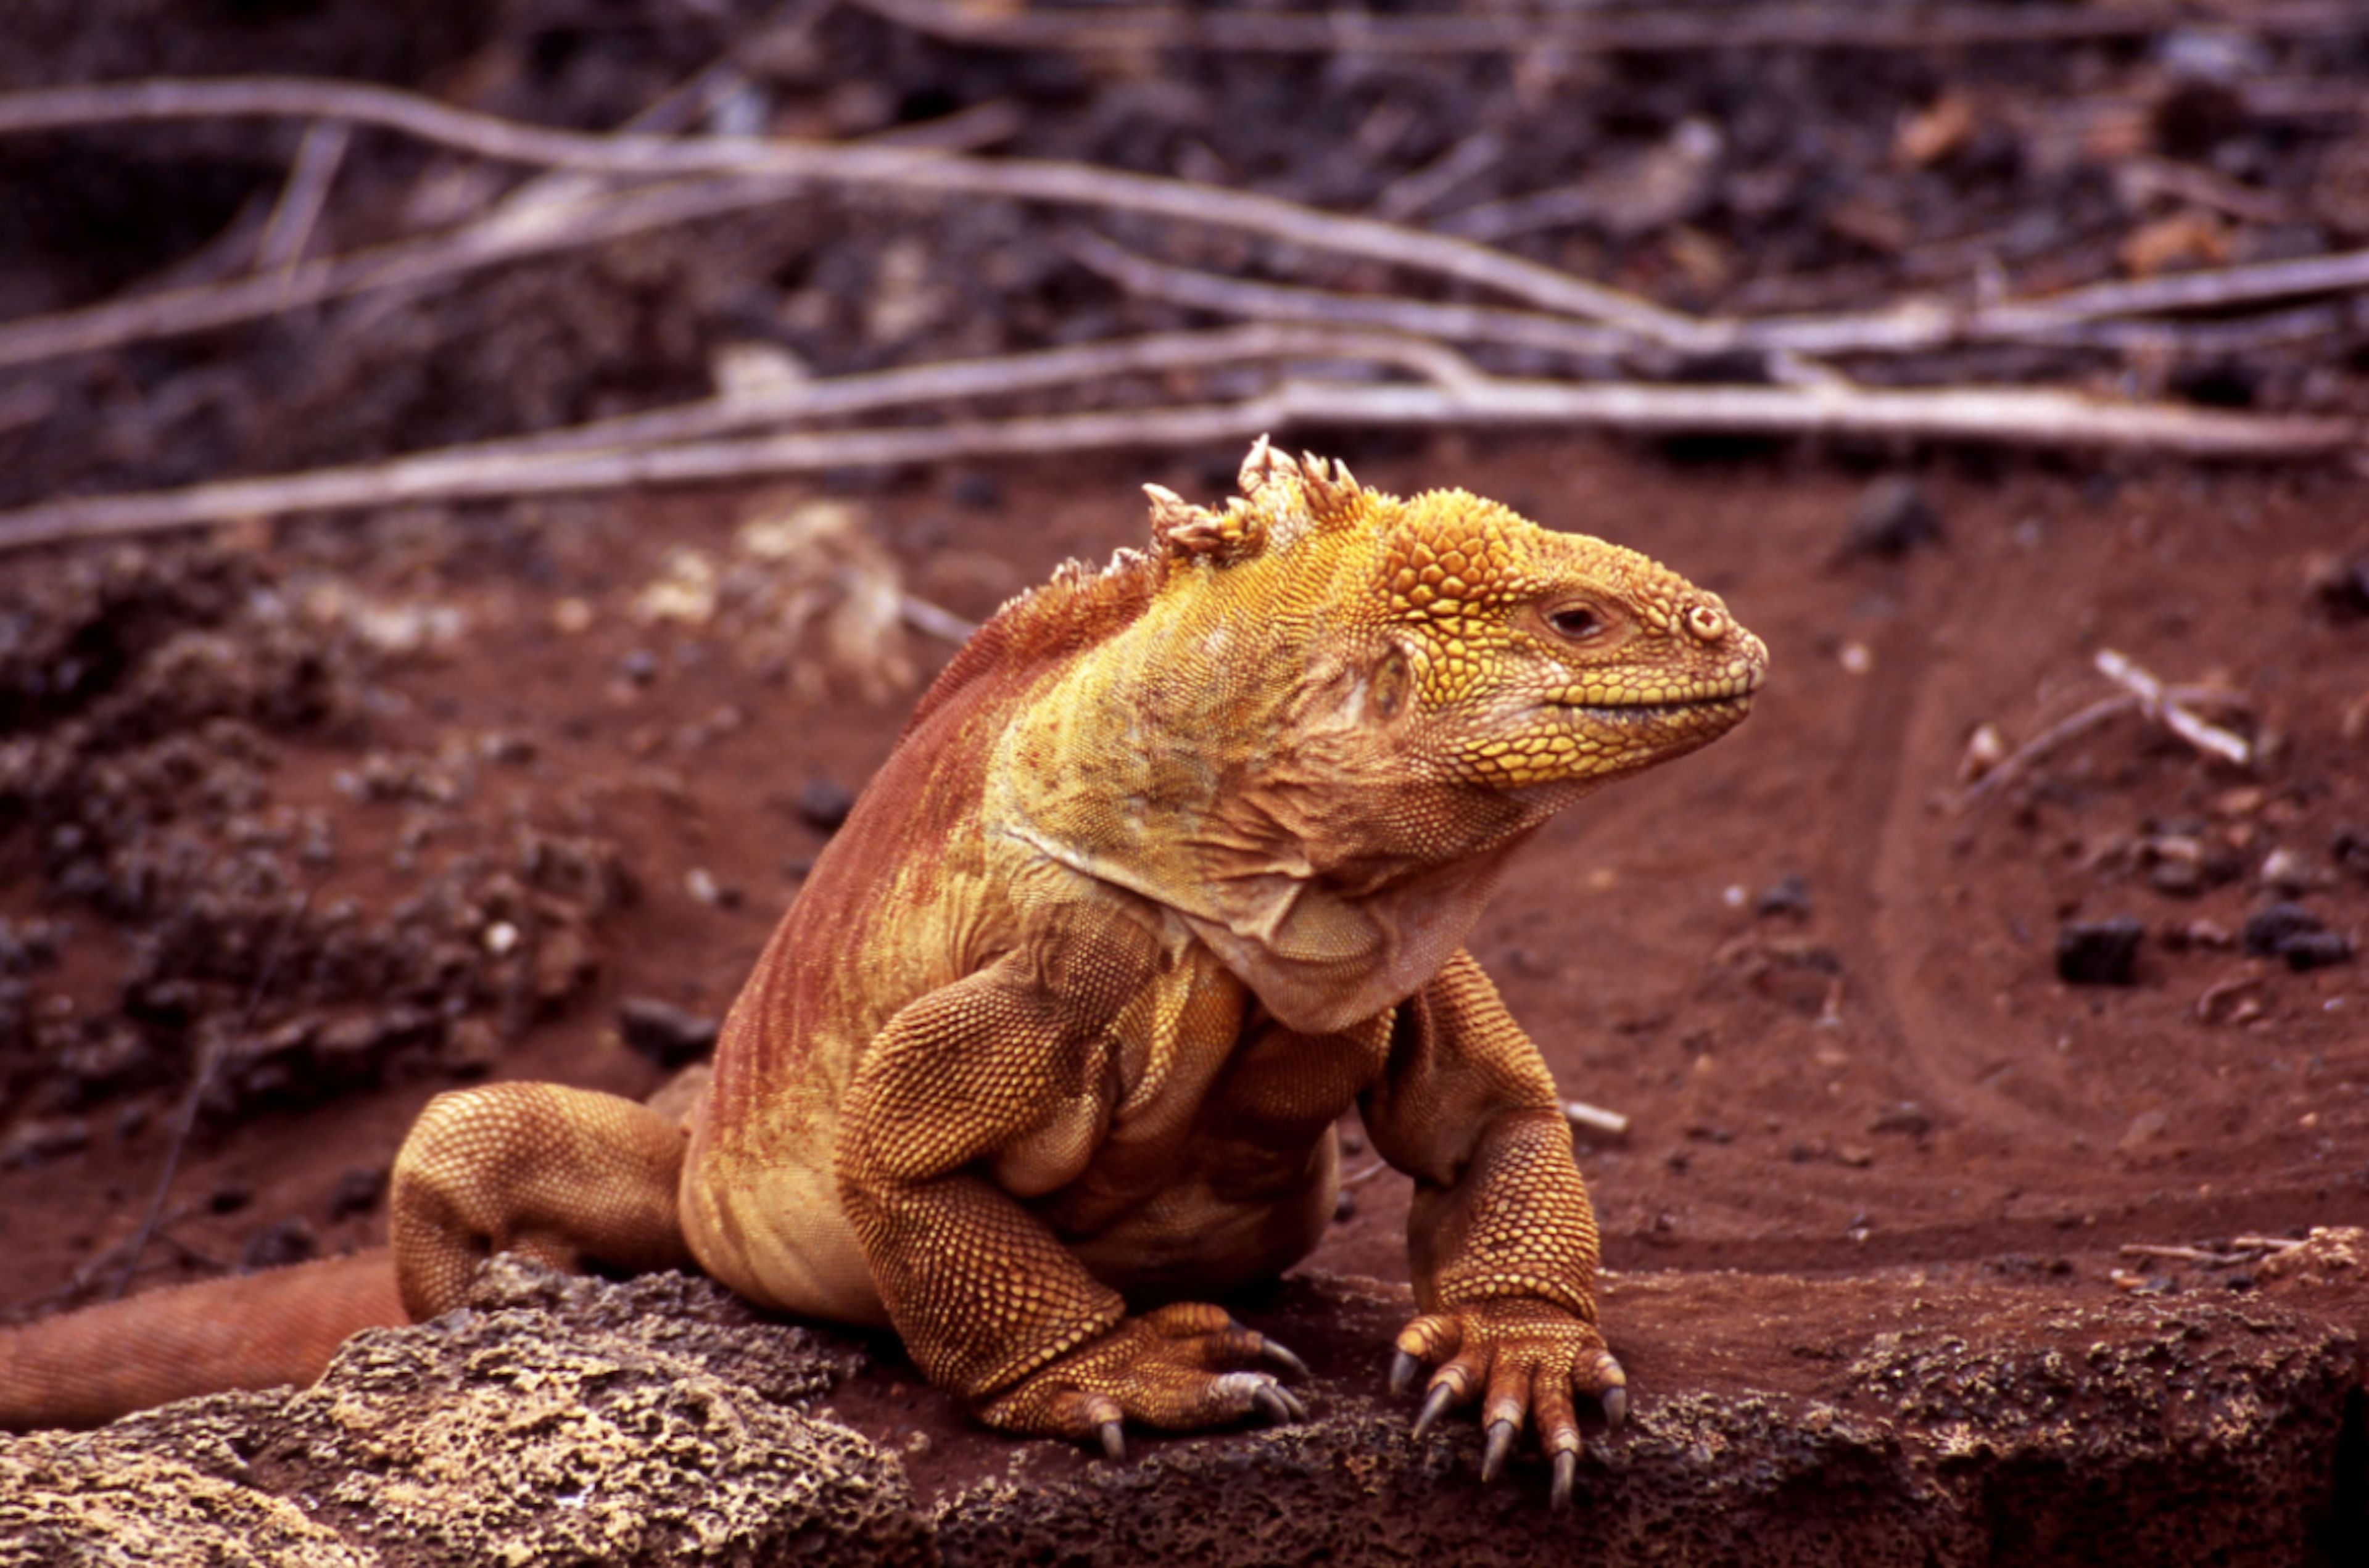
pixel 1893 1082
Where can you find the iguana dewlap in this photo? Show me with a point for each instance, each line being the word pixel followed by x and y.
pixel 1171 867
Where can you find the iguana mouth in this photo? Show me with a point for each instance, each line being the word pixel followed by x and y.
pixel 1633 713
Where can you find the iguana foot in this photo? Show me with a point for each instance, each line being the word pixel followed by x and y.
pixel 1167 1369
pixel 1527 1356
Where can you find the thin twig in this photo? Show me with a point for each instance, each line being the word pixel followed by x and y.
pixel 1127 31
pixel 1074 185
pixel 2163 707
pixel 1148 278
pixel 2026 416
pixel 2016 762
pixel 2164 701
pixel 997 375
pixel 2268 1244
pixel 193 1098
pixel 2243 334
pixel 779 166
pixel 2185 1254
pixel 498 238
pixel 1596 1118
pixel 289 228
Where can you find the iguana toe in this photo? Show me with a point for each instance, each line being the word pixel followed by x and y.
pixel 1177 1369
pixel 1528 1361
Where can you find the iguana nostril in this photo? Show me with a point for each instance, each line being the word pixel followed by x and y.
pixel 1708 622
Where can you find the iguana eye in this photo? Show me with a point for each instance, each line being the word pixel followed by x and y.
pixel 1577 621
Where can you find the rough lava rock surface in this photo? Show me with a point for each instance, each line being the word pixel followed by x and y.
pixel 585 1424
pixel 571 1420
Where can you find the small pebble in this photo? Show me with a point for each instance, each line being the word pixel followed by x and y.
pixel 1893 516
pixel 2268 930
pixel 358 1191
pixel 1788 894
pixel 2315 949
pixel 2098 953
pixel 277 1246
pixel 823 804
pixel 666 1034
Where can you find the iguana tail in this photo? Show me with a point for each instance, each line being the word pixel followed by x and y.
pixel 255 1331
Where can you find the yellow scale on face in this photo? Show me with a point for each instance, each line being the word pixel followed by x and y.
pixel 1455 574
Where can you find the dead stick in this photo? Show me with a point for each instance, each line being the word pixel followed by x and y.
pixel 1898 329
pixel 2016 762
pixel 2182 1255
pixel 995 375
pixel 2164 708
pixel 1142 276
pixel 1016 178
pixel 487 243
pixel 289 228
pixel 2002 413
pixel 193 1098
pixel 1133 30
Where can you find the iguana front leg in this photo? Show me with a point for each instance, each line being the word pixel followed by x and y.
pixel 992 1090
pixel 1501 1239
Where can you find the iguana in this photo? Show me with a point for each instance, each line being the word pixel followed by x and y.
pixel 1171 866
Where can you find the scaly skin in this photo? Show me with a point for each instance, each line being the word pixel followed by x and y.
pixel 1172 866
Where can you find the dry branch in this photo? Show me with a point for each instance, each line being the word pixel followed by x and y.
pixel 2142 693
pixel 1148 278
pixel 1022 179
pixel 947 382
pixel 288 229
pixel 503 236
pixel 743 171
pixel 2021 415
pixel 1637 30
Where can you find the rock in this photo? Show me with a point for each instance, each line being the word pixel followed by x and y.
pixel 664 1033
pixel 2315 949
pixel 41 1139
pixel 2343 587
pixel 569 1420
pixel 620 1434
pixel 823 805
pixel 358 1191
pixel 1893 516
pixel 2157 1431
pixel 2099 952
pixel 1788 894
pixel 279 1244
pixel 2294 934
pixel 2350 848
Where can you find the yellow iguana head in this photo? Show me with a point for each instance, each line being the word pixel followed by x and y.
pixel 1472 643
pixel 1314 722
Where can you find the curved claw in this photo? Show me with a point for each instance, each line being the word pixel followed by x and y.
pixel 1442 1396
pixel 1277 1356
pixel 1277 1405
pixel 1113 1442
pixel 1404 1369
pixel 1615 1405
pixel 1566 1470
pixel 1500 1444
